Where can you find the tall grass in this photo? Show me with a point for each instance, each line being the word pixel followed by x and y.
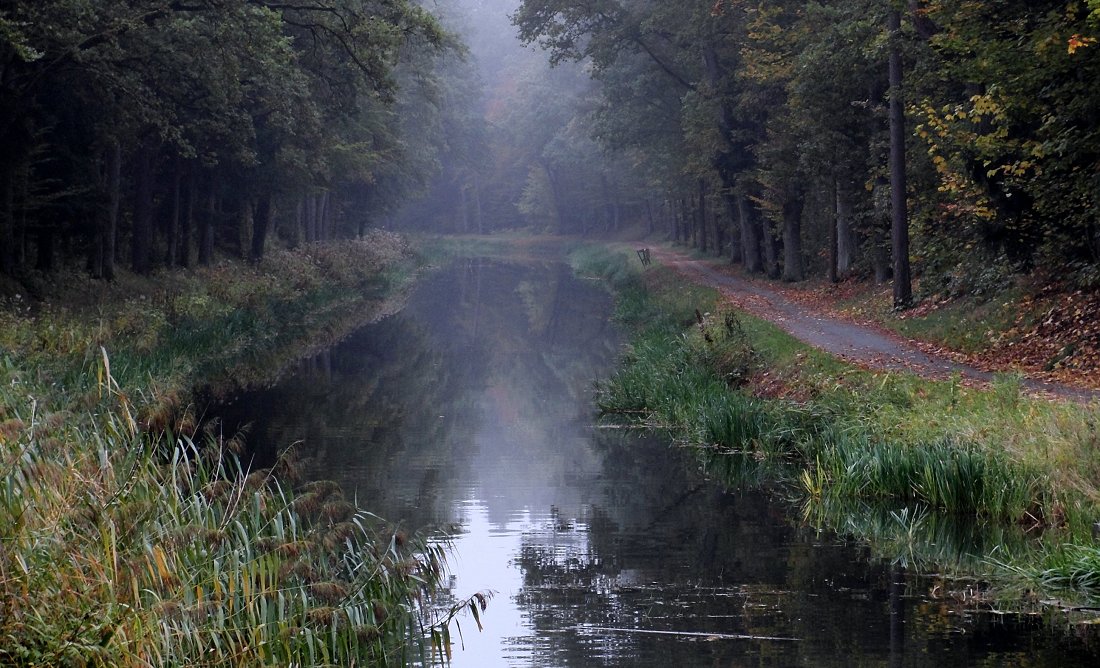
pixel 127 539
pixel 121 549
pixel 839 437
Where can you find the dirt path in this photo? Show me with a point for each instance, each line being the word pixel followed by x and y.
pixel 856 343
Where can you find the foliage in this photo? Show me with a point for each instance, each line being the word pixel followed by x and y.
pixel 780 108
pixel 196 114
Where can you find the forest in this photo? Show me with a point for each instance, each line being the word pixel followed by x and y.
pixel 835 138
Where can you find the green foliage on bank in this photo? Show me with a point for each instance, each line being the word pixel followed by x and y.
pixel 853 445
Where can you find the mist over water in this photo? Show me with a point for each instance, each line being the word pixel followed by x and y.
pixel 471 411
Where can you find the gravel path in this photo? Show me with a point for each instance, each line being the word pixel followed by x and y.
pixel 857 343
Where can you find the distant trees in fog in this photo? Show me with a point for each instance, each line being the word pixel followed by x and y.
pixel 765 130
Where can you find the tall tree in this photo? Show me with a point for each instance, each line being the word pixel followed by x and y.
pixel 899 210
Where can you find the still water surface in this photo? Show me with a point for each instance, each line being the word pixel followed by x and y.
pixel 472 408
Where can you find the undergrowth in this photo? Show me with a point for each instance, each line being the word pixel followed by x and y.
pixel 763 408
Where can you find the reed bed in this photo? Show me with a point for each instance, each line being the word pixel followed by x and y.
pixel 127 538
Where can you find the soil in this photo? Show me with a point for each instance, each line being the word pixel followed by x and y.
pixel 861 343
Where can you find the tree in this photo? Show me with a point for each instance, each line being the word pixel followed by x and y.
pixel 234 103
pixel 899 211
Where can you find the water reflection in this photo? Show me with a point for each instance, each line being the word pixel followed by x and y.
pixel 472 408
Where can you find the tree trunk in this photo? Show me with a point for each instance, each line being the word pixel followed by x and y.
pixel 7 221
pixel 771 248
pixel 46 247
pixel 175 215
pixel 719 236
pixel 261 222
pixel 141 241
pixel 792 237
pixel 750 234
pixel 324 217
pixel 463 208
pixel 556 193
pixel 102 257
pixel 244 227
pixel 736 245
pixel 477 202
pixel 833 251
pixel 310 218
pixel 187 222
pixel 206 234
pixel 843 229
pixel 899 215
pixel 299 222
pixel 703 215
pixel 685 222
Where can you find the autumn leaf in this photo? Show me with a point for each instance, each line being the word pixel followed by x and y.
pixel 1079 42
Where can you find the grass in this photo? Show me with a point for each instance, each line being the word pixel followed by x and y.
pixel 131 539
pixel 114 556
pixel 764 408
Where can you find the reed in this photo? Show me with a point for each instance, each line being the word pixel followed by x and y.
pixel 126 549
pixel 128 539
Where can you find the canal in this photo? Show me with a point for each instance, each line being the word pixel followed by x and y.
pixel 471 412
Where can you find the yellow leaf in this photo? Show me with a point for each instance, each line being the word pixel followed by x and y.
pixel 1077 41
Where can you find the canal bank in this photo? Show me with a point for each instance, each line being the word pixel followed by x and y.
pixel 130 538
pixel 973 482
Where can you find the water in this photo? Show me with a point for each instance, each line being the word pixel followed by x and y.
pixel 472 409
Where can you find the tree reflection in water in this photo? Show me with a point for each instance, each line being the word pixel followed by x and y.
pixel 473 408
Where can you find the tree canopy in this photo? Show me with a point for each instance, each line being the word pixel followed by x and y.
pixel 173 125
pixel 773 129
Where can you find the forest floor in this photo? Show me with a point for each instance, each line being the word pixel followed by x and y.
pixel 840 323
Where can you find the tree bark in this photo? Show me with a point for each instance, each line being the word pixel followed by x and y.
pixel 899 215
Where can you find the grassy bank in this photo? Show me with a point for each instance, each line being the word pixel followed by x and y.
pixel 129 539
pixel 904 462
